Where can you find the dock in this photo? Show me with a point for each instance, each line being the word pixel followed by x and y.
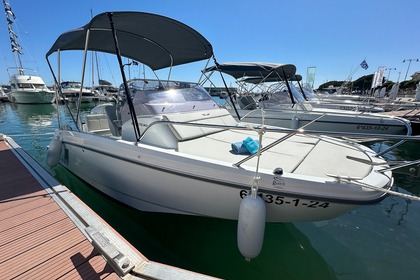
pixel 46 232
pixel 412 115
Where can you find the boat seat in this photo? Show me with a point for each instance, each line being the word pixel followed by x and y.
pixel 97 123
pixel 185 132
pixel 113 122
pixel 247 103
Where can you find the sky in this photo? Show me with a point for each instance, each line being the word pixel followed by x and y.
pixel 334 36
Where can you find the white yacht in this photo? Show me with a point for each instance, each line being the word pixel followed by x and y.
pixel 29 89
pixel 25 88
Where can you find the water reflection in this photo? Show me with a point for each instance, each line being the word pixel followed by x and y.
pixel 206 245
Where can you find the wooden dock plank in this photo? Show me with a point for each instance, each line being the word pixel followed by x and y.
pixel 37 239
pixel 25 242
pixel 44 231
pixel 13 214
pixel 72 265
pixel 18 218
pixel 30 259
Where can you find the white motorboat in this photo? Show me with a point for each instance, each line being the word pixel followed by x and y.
pixel 25 88
pixel 30 90
pixel 168 147
pixel 283 105
pixel 72 91
pixel 318 102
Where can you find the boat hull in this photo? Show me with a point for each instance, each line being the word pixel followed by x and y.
pixel 149 179
pixel 31 97
pixel 351 123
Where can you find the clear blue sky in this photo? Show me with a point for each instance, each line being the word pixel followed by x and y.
pixel 335 36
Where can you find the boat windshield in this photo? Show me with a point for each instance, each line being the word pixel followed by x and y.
pixel 39 86
pixel 280 93
pixel 153 91
pixel 24 85
pixel 155 97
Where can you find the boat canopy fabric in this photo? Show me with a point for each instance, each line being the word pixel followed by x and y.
pixel 255 69
pixel 257 80
pixel 157 41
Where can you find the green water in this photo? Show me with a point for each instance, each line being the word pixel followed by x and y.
pixel 372 242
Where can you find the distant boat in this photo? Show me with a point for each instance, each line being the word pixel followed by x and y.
pixel 3 95
pixel 285 106
pixel 71 91
pixel 30 90
pixel 24 88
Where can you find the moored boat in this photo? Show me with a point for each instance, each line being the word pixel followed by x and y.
pixel 29 89
pixel 282 104
pixel 168 147
pixel 24 87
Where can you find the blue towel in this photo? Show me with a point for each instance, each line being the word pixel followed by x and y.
pixel 239 148
pixel 251 145
pixel 246 147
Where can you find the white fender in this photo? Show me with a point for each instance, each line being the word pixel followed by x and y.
pixel 54 152
pixel 251 226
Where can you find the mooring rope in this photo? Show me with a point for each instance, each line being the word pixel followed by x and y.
pixel 403 195
pixel 355 181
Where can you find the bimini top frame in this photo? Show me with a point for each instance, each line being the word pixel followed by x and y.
pixel 156 41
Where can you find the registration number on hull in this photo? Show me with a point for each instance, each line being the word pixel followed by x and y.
pixel 372 127
pixel 281 200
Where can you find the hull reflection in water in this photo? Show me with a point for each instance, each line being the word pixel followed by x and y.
pixel 205 245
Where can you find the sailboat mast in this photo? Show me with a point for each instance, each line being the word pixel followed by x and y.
pixel 16 48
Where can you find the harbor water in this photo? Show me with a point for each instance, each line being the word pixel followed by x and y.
pixel 372 242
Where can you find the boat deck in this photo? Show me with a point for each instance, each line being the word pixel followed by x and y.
pixel 48 233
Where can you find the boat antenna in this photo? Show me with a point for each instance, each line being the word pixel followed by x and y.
pixel 127 92
pixel 227 89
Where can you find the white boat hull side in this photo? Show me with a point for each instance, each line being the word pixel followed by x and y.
pixel 330 122
pixel 31 97
pixel 146 180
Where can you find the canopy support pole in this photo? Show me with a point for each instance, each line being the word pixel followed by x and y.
pixel 228 91
pixel 127 92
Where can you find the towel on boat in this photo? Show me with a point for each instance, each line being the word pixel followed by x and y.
pixel 247 146
pixel 251 145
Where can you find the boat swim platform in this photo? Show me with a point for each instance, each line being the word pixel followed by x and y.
pixel 46 232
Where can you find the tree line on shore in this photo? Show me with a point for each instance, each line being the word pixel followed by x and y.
pixel 363 84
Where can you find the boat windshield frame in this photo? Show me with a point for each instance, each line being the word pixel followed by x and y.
pixel 155 96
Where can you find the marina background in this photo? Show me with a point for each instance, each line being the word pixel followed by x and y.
pixel 333 36
pixel 372 242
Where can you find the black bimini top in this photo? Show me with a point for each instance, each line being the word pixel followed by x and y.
pixel 157 41
pixel 257 80
pixel 264 70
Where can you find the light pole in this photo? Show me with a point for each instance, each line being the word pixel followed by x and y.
pixel 409 63
pixel 389 69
